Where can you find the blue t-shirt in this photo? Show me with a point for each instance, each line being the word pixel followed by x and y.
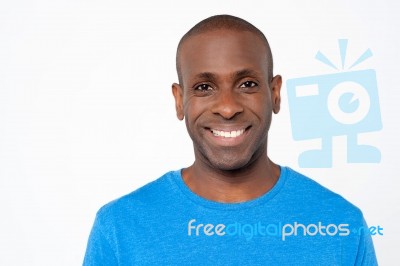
pixel 297 222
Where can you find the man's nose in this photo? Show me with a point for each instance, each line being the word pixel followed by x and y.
pixel 227 104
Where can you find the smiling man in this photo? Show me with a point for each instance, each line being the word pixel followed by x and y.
pixel 226 94
pixel 233 205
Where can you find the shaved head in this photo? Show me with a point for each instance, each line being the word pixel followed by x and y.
pixel 223 22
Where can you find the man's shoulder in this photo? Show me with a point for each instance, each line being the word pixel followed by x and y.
pixel 311 193
pixel 152 193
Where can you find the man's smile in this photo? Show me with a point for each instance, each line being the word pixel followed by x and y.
pixel 228 134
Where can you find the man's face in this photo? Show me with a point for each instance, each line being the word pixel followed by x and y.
pixel 226 97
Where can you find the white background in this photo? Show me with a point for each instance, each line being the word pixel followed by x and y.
pixel 87 114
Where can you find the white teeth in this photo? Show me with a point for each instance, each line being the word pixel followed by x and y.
pixel 229 134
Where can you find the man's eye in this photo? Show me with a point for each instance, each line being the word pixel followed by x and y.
pixel 203 87
pixel 248 84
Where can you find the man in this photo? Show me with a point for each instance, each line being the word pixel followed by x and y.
pixel 233 206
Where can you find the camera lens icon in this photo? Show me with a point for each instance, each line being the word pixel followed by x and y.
pixel 348 103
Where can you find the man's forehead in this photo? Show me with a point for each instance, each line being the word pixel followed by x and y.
pixel 222 49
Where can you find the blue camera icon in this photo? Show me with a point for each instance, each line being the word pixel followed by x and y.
pixel 325 106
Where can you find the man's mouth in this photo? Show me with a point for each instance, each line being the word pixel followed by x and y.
pixel 228 134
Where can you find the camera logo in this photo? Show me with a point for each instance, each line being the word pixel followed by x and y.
pixel 337 104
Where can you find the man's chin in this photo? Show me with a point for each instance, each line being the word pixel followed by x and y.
pixel 233 164
pixel 226 160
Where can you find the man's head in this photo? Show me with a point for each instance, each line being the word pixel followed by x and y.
pixel 226 91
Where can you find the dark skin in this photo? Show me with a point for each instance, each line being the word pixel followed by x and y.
pixel 227 99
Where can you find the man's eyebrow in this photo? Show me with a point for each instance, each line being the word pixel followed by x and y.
pixel 206 75
pixel 240 73
pixel 236 75
pixel 245 72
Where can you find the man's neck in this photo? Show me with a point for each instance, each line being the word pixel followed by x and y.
pixel 232 186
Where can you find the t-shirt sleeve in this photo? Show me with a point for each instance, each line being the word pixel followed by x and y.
pixel 99 250
pixel 366 252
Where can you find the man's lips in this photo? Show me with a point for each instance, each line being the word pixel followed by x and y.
pixel 228 135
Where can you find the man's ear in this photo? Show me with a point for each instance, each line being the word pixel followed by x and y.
pixel 276 84
pixel 177 91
